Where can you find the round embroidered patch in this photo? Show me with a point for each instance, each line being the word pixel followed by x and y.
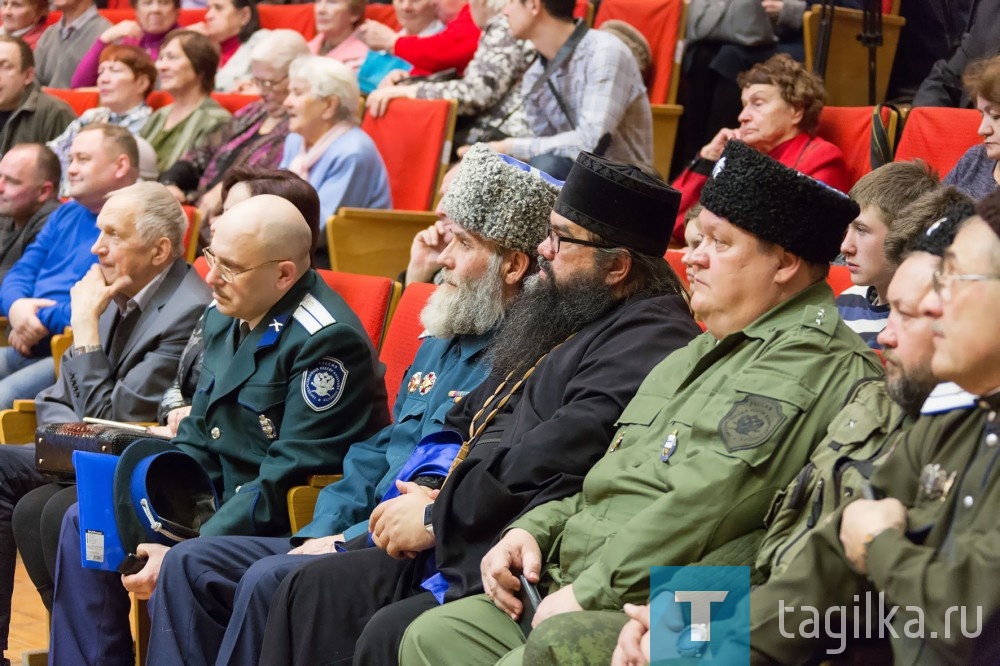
pixel 323 383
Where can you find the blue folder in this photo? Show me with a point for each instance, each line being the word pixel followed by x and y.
pixel 100 545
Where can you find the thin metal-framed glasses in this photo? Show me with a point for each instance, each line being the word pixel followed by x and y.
pixel 941 281
pixel 265 85
pixel 227 273
pixel 555 239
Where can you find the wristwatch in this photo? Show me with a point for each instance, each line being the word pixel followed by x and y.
pixel 429 518
pixel 86 349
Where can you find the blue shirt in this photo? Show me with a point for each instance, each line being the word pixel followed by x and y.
pixel 370 466
pixel 51 265
pixel 350 173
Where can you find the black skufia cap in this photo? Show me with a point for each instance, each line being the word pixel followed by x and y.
pixel 620 203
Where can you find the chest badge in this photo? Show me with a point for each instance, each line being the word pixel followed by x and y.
pixel 414 382
pixel 936 483
pixel 428 383
pixel 267 427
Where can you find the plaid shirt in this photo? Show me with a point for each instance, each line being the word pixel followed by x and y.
pixel 602 88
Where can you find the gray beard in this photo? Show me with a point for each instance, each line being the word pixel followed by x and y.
pixel 545 315
pixel 473 307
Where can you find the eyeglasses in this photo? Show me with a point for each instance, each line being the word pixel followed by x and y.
pixel 555 240
pixel 227 273
pixel 941 282
pixel 266 85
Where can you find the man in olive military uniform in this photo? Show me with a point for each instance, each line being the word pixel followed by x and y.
pixel 859 439
pixel 713 432
pixel 930 544
pixel 502 217
pixel 290 380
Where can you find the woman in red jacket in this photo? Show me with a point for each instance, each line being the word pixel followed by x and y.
pixel 781 106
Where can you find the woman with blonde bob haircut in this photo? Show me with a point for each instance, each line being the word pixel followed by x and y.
pixel 326 146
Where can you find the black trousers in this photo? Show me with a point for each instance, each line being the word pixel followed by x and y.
pixel 321 609
pixel 37 522
pixel 379 643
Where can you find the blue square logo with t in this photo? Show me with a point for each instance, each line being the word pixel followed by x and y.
pixel 700 612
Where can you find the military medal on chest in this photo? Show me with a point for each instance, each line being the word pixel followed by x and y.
pixel 267 427
pixel 427 383
pixel 414 382
pixel 935 483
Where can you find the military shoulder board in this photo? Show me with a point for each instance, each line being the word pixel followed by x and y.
pixel 312 315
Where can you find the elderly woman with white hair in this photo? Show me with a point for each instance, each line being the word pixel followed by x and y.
pixel 326 146
pixel 489 91
pixel 255 137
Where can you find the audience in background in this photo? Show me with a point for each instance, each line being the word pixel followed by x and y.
pixel 417 17
pixel 254 137
pixel 326 146
pixel 63 45
pixel 29 185
pixel 187 65
pixel 125 78
pixel 978 172
pixel 154 20
pixel 488 93
pixel 24 19
pixel 452 48
pixel 336 21
pixel 234 28
pixel 27 114
pixel 592 99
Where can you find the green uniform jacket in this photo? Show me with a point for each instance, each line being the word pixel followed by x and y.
pixel 286 403
pixel 947 557
pixel 744 412
pixel 858 439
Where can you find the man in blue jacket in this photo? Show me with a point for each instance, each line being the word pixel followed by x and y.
pixel 35 292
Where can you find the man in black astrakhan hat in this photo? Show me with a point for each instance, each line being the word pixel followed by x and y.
pixel 713 432
pixel 603 310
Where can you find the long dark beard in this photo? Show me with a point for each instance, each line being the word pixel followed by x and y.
pixel 546 314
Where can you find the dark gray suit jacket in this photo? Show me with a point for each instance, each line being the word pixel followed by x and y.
pixel 129 389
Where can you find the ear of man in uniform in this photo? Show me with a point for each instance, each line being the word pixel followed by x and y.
pixel 962 303
pixel 259 250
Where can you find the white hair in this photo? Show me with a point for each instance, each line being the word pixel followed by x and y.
pixel 156 214
pixel 279 48
pixel 329 78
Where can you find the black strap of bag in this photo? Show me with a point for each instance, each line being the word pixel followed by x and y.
pixel 884 137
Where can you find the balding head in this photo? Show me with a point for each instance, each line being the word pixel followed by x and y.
pixel 29 177
pixel 260 249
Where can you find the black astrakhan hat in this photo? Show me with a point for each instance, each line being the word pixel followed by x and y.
pixel 938 235
pixel 778 204
pixel 620 203
pixel 989 209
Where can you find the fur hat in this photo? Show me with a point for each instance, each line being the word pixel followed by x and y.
pixel 938 235
pixel 620 203
pixel 501 199
pixel 778 204
pixel 989 209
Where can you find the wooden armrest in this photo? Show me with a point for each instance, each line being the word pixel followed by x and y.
pixel 322 480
